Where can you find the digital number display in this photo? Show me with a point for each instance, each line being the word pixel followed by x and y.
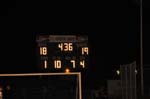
pixel 61 52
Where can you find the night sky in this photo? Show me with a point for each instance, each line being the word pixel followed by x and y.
pixel 113 30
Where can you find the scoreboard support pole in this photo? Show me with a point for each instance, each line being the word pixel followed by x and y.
pixel 42 74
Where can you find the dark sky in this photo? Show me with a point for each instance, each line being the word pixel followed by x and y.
pixel 113 30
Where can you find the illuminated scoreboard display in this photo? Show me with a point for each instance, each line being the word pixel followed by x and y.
pixel 62 52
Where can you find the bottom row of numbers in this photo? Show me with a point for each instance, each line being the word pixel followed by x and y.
pixel 58 64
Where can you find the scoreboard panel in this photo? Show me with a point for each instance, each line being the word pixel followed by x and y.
pixel 58 53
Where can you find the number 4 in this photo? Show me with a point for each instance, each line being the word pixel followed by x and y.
pixel 82 63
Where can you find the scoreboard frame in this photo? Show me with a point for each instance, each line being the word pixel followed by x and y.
pixel 58 53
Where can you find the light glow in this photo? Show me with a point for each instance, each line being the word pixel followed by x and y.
pixel 67 70
pixel 118 72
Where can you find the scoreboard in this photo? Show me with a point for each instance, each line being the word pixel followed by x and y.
pixel 58 53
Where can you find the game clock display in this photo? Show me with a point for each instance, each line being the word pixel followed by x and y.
pixel 61 52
